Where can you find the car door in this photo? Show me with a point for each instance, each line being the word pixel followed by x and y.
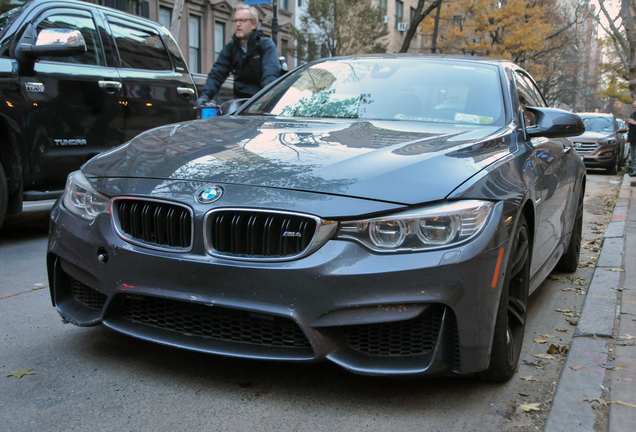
pixel 73 106
pixel 157 92
pixel 554 177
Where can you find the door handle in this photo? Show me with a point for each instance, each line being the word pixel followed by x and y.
pixel 186 91
pixel 113 86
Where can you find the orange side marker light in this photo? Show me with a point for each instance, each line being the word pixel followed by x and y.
pixel 496 276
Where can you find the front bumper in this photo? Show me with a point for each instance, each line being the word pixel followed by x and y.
pixel 426 313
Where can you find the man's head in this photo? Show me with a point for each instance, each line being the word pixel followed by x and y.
pixel 634 105
pixel 245 21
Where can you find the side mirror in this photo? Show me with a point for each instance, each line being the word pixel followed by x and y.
pixel 50 42
pixel 622 130
pixel 555 123
pixel 230 107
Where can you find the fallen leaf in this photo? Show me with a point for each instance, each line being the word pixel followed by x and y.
pixel 627 337
pixel 620 289
pixel 627 344
pixel 540 341
pixel 572 322
pixel 562 330
pixel 616 269
pixel 620 402
pixel 620 368
pixel 523 394
pixel 19 373
pixel 597 400
pixel 527 407
pixel 544 356
pixel 556 278
pixel 548 336
pixel 577 280
pixel 539 364
pixel 260 392
pixel 576 368
pixel 529 378
pixel 557 349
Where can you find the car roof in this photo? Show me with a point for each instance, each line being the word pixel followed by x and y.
pixel 592 114
pixel 110 10
pixel 472 59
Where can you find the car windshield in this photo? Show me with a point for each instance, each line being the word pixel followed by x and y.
pixel 388 89
pixel 598 124
pixel 9 10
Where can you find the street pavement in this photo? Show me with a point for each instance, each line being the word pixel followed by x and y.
pixel 597 387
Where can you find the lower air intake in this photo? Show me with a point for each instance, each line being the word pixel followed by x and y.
pixel 214 322
pixel 400 338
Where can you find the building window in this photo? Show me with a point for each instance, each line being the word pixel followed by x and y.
pixel 300 3
pixel 219 38
pixel 194 43
pixel 399 12
pixel 284 4
pixel 165 17
pixel 412 15
pixel 284 48
pixel 382 7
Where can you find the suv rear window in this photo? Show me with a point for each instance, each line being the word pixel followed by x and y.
pixel 139 47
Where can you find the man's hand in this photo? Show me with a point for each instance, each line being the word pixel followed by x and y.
pixel 201 101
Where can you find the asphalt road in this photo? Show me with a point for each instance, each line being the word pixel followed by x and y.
pixel 93 379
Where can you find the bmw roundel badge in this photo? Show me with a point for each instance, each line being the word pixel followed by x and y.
pixel 208 195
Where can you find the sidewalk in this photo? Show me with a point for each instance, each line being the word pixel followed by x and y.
pixel 602 354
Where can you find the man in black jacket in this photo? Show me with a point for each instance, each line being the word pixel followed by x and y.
pixel 251 57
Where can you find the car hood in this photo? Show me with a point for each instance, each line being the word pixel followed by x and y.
pixel 593 136
pixel 394 161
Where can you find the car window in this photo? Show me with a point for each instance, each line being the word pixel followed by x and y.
pixel 139 47
pixel 174 51
pixel 412 90
pixel 598 124
pixel 527 97
pixel 82 21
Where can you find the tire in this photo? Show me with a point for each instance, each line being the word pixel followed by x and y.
pixel 613 169
pixel 4 196
pixel 569 262
pixel 510 323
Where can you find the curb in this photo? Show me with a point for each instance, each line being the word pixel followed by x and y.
pixel 595 329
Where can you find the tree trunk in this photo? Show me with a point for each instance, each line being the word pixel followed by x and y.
pixel 436 29
pixel 175 23
pixel 417 19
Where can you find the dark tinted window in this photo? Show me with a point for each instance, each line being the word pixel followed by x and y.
pixel 175 51
pixel 139 47
pixel 76 21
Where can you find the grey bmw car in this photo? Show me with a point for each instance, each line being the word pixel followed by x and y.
pixel 390 214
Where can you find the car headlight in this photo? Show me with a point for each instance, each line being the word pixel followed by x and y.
pixel 428 228
pixel 81 199
pixel 607 142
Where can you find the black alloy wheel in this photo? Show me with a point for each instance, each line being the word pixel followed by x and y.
pixel 569 261
pixel 513 306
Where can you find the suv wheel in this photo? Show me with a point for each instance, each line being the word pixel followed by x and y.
pixel 613 169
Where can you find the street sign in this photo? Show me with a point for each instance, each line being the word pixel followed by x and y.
pixel 257 2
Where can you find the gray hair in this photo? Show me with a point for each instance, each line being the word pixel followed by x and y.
pixel 251 10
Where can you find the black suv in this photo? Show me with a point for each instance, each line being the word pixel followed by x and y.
pixel 77 79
